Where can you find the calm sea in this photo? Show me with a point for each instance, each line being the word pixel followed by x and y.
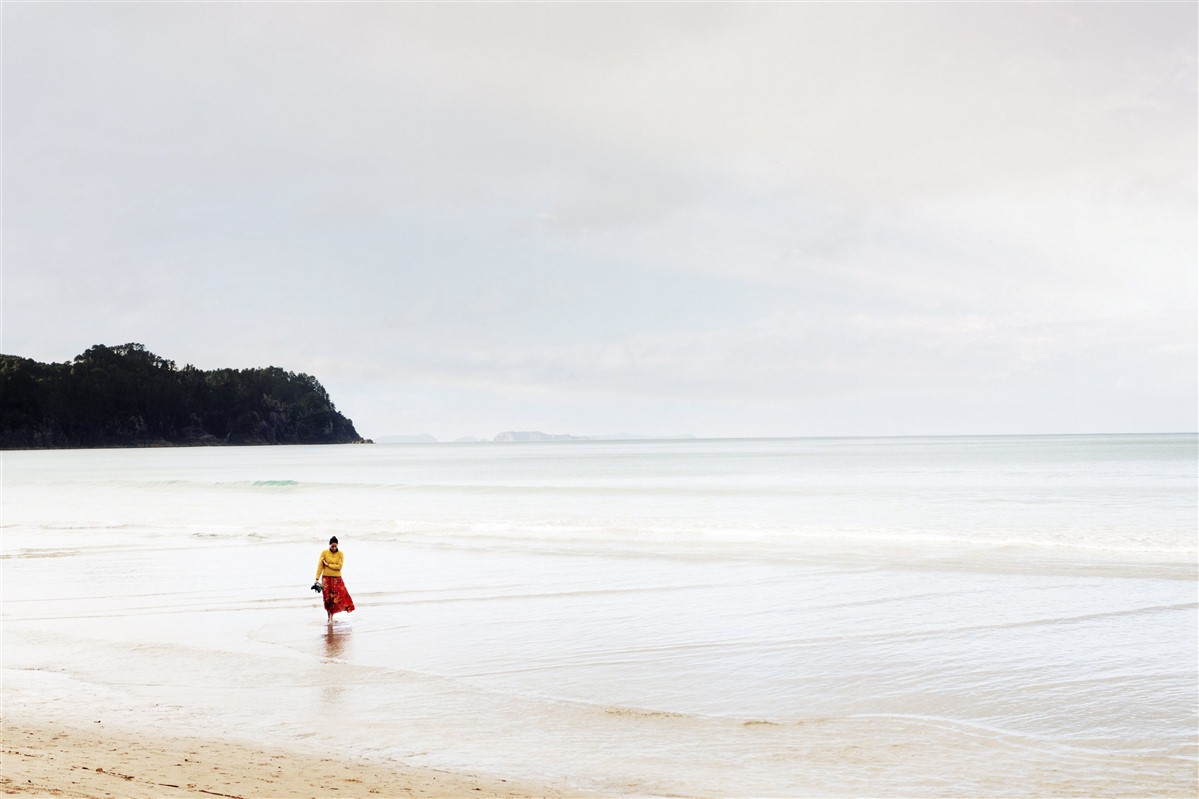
pixel 974 616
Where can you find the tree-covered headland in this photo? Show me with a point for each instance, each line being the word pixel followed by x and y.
pixel 127 396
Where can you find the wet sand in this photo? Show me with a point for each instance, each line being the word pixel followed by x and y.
pixel 58 760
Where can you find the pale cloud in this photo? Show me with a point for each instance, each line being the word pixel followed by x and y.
pixel 822 217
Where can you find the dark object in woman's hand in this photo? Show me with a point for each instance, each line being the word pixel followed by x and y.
pixel 316 587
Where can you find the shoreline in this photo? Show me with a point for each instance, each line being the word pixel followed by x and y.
pixel 64 760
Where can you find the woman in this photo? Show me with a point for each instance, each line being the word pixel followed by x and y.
pixel 328 577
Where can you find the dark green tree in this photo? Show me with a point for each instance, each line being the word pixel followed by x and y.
pixel 128 396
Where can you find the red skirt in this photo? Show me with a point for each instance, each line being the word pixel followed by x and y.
pixel 337 598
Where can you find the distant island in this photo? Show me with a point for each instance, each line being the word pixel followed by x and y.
pixel 532 435
pixel 536 435
pixel 126 396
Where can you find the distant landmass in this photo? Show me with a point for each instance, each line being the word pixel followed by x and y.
pixel 126 396
pixel 423 438
pixel 530 435
pixel 536 435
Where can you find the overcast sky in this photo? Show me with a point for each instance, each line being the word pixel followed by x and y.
pixel 724 220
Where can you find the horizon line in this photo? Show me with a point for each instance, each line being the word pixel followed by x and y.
pixel 416 439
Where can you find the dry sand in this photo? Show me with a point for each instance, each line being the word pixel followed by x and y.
pixel 55 760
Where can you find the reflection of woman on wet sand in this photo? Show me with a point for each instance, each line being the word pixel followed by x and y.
pixel 328 574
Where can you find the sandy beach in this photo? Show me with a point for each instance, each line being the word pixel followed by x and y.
pixel 59 760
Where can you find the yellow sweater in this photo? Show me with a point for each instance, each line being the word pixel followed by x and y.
pixel 330 564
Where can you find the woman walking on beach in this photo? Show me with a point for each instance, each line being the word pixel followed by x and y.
pixel 328 576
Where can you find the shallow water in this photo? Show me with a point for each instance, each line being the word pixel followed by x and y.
pixel 839 617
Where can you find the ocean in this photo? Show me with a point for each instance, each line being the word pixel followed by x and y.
pixel 942 616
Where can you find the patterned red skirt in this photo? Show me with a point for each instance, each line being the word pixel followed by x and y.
pixel 337 598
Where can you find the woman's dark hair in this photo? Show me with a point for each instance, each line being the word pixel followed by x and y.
pixel 333 540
